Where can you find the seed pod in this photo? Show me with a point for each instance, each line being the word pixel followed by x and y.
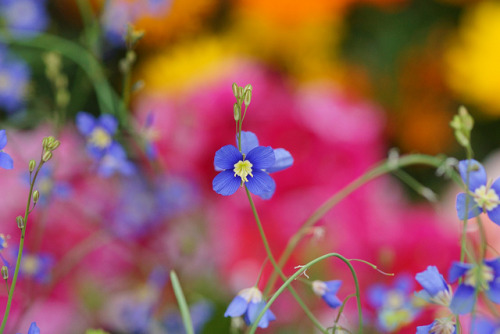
pixel 36 196
pixel 20 222
pixel 32 165
pixel 5 272
pixel 235 89
pixel 47 156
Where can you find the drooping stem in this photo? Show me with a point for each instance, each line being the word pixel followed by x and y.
pixel 278 269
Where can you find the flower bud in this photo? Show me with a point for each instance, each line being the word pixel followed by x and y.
pixel 47 156
pixel 32 165
pixel 52 146
pixel 237 112
pixel 235 89
pixel 20 222
pixel 248 87
pixel 5 272
pixel 248 97
pixel 240 91
pixel 36 196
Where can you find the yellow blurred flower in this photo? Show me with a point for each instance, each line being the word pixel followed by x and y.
pixel 473 58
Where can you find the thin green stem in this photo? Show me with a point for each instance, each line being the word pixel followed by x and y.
pixel 20 253
pixel 278 269
pixel 341 309
pixel 181 301
pixel 299 272
pixel 381 169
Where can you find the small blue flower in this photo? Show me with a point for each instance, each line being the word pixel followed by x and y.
pixel 36 266
pixel 34 329
pixel 98 132
pixel 250 167
pixel 6 161
pixel 483 276
pixel 24 17
pixel 14 77
pixel 438 326
pixel 328 291
pixel 436 290
pixel 248 303
pixel 117 15
pixel 115 160
pixel 483 193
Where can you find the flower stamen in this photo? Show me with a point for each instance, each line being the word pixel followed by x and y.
pixel 243 168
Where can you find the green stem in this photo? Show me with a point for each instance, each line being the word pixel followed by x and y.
pixel 299 272
pixel 383 168
pixel 341 309
pixel 183 307
pixel 278 269
pixel 20 253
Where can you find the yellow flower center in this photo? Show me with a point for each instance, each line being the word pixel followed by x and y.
pixel 479 276
pixel 443 297
pixel 30 264
pixel 486 198
pixel 394 300
pixel 252 294
pixel 100 138
pixel 443 326
pixel 243 168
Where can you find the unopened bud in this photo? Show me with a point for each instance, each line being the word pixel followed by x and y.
pixel 248 97
pixel 47 156
pixel 235 89
pixel 248 87
pixel 47 141
pixel 36 196
pixel 32 165
pixel 237 112
pixel 240 91
pixel 20 222
pixel 5 272
pixel 52 146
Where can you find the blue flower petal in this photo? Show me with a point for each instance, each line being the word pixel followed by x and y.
pixel 6 161
pixel 261 157
pixel 424 329
pixel 484 326
pixel 495 265
pixel 283 160
pixel 34 329
pixel 249 141
pixel 331 300
pixel 109 123
pixel 85 123
pixel 457 270
pixel 260 183
pixel 463 300
pixel 477 174
pixel 432 281
pixel 493 292
pixel 225 183
pixel 226 157
pixel 253 312
pixel 333 286
pixel 3 139
pixel 237 307
pixel 474 210
pixel 376 295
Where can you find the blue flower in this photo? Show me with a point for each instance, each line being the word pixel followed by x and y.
pixel 248 303
pixel 36 266
pixel 436 290
pixel 3 242
pixel 5 159
pixel 394 304
pixel 14 77
pixel 24 17
pixel 328 291
pixel 200 312
pixel 34 329
pixel 483 195
pixel 438 326
pixel 250 167
pixel 115 160
pixel 98 132
pixel 483 277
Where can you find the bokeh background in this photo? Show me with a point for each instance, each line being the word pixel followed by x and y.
pixel 337 83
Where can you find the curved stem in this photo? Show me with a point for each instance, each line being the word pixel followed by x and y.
pixel 20 252
pixel 298 273
pixel 383 168
pixel 278 269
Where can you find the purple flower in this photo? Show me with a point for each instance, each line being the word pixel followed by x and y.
pixel 483 194
pixel 250 167
pixel 248 304
pixel 6 161
pixel 483 276
pixel 328 291
pixel 24 17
